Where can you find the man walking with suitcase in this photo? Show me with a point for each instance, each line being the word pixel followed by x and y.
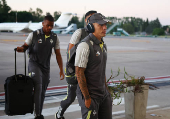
pixel 39 44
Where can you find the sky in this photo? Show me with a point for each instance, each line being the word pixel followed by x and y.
pixel 144 9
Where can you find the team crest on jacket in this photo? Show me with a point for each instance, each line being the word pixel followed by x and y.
pixel 40 41
pixel 97 53
pixel 31 74
pixel 51 41
pixel 94 112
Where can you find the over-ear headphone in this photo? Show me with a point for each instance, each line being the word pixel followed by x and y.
pixel 90 26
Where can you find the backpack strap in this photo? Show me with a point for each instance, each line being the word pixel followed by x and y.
pixel 36 34
pixel 54 36
pixel 70 68
pixel 84 33
pixel 34 38
pixel 104 45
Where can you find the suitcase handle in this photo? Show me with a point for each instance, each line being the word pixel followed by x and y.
pixel 15 49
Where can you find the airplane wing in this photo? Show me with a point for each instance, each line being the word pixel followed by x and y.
pixel 23 28
pixel 35 26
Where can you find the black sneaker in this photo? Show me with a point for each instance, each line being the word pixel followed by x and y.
pixel 39 117
pixel 56 117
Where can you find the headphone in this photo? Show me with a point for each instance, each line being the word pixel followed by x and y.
pixel 90 26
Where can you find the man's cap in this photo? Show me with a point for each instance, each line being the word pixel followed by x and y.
pixel 98 18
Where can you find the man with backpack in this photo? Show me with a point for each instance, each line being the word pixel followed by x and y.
pixel 78 35
pixel 39 44
pixel 90 62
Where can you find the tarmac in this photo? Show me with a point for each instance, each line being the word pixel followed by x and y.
pixel 141 56
pixel 158 106
pixel 162 113
pixel 157 113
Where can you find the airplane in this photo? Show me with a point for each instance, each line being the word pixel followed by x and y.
pixel 61 23
pixel 69 30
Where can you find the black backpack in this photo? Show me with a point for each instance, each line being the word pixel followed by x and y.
pixel 70 68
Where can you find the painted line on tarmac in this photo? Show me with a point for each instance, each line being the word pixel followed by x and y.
pixel 57 87
pixel 54 99
pixel 52 111
pixel 147 41
pixel 153 106
pixel 149 79
pixel 123 111
pixel 158 79
pixel 124 51
pixel 60 98
pixel 12 40
pixel 51 89
pixel 45 112
pixel 164 108
pixel 63 88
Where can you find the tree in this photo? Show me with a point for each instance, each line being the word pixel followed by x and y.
pixel 113 20
pixel 56 15
pixel 145 25
pixel 152 25
pixel 75 20
pixel 149 29
pixel 165 27
pixel 0 6
pixel 4 10
pixel 36 15
pixel 32 12
pixel 47 13
pixel 12 16
pixel 82 23
pixel 158 31
pixel 129 28
pixel 38 12
pixel 24 16
pixel 147 22
pixel 156 23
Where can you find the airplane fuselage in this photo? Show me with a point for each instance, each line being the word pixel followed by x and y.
pixel 62 22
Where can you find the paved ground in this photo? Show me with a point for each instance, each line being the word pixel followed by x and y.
pixel 158 105
pixel 149 57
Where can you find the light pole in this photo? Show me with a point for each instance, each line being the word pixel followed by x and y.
pixel 16 16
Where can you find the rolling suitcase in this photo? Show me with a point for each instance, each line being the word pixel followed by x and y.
pixel 19 93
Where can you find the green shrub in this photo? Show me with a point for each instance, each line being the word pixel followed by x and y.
pixel 158 31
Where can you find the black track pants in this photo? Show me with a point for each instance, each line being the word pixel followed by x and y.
pixel 69 99
pixel 99 109
pixel 41 80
